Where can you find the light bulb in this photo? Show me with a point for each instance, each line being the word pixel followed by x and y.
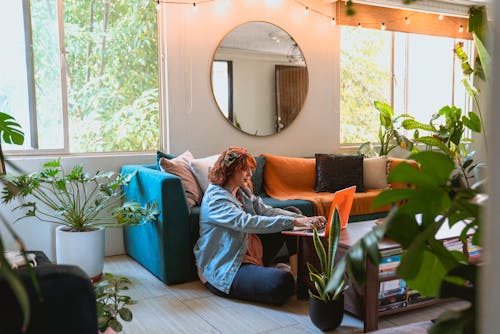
pixel 441 17
pixel 382 27
pixel 333 22
pixel 461 29
pixel 306 11
pixel 359 26
pixel 407 20
pixel 195 8
pixel 158 6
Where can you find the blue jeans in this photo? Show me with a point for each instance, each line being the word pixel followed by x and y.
pixel 263 284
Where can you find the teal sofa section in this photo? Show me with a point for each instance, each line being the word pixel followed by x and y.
pixel 165 248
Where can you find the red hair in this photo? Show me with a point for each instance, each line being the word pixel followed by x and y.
pixel 239 159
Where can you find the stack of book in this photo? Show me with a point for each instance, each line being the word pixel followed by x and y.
pixel 474 251
pixel 415 297
pixel 389 262
pixel 392 295
pixel 454 245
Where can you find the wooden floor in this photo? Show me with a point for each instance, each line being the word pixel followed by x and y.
pixel 189 308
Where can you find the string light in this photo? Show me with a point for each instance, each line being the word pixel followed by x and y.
pixel 307 10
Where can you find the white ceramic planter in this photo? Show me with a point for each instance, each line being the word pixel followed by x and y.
pixel 83 249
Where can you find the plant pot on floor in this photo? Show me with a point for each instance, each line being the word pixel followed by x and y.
pixel 83 249
pixel 326 315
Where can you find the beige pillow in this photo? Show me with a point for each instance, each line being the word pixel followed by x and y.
pixel 180 166
pixel 375 172
pixel 201 167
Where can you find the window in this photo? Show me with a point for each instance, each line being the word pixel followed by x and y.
pixel 416 74
pixel 90 79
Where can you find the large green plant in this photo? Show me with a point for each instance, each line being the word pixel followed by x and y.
pixel 76 199
pixel 320 277
pixel 433 200
pixel 389 135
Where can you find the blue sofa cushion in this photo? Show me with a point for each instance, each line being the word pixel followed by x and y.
pixel 306 207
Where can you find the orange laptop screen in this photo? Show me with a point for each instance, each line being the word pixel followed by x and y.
pixel 342 199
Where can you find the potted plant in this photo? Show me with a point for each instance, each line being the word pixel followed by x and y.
pixel 388 134
pixel 111 304
pixel 326 308
pixel 83 204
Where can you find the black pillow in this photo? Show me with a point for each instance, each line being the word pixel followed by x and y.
pixel 160 154
pixel 336 171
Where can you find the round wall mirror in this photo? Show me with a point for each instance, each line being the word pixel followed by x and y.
pixel 259 78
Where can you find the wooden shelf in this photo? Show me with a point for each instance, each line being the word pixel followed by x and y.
pixel 363 301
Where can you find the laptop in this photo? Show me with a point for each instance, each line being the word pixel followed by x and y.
pixel 342 200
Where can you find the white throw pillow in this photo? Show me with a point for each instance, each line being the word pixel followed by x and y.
pixel 375 172
pixel 201 167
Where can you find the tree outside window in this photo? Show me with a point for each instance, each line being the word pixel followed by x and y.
pixel 104 69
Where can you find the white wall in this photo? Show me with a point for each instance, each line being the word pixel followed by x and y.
pixel 196 123
pixel 40 235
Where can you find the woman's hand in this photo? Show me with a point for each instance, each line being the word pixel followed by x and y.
pixel 310 222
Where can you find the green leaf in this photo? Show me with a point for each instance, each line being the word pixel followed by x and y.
pixel 484 56
pixel 320 250
pixel 10 131
pixel 422 270
pixel 392 196
pixel 473 122
pixel 469 88
pixel 433 141
pixel 337 276
pixel 113 323
pixel 357 262
pixel 410 124
pixel 435 165
pixel 402 228
pixel 125 314
pixel 386 113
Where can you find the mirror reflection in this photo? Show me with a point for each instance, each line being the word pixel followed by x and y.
pixel 259 78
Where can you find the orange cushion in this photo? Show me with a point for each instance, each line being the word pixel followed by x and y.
pixel 285 174
pixel 393 162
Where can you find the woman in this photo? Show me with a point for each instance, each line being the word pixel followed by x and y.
pixel 239 234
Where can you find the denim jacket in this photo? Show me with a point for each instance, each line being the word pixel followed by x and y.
pixel 224 226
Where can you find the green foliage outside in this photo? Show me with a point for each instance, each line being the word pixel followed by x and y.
pixel 112 73
pixel 365 77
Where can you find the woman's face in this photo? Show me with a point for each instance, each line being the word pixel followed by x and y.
pixel 241 178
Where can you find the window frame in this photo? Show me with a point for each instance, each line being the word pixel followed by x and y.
pixel 32 137
pixel 468 100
